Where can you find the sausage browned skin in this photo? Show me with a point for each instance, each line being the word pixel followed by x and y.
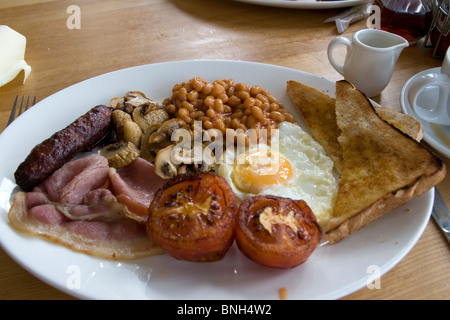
pixel 81 135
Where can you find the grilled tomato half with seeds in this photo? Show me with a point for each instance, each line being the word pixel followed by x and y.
pixel 277 232
pixel 193 217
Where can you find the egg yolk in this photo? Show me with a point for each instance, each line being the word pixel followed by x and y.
pixel 260 168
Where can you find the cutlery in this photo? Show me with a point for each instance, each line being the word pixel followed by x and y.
pixel 441 214
pixel 12 116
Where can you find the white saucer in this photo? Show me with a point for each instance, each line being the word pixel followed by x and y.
pixel 438 136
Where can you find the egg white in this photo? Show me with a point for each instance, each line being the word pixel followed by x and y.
pixel 314 180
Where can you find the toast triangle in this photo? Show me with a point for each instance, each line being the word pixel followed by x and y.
pixel 382 168
pixel 318 110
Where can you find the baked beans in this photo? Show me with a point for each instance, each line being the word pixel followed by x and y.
pixel 224 104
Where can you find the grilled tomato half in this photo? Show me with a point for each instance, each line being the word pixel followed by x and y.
pixel 277 232
pixel 193 216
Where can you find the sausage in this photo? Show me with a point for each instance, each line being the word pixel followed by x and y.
pixel 51 154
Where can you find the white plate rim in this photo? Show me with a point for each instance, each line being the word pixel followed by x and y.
pixel 428 135
pixel 399 246
pixel 306 4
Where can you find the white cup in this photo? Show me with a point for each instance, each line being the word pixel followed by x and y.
pixel 429 95
pixel 370 59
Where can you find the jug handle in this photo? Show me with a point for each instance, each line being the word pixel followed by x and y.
pixel 335 42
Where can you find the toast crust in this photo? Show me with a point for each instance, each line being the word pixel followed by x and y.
pixel 318 110
pixel 381 167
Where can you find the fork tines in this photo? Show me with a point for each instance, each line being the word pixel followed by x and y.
pixel 12 116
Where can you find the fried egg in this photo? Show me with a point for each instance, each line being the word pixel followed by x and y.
pixel 293 166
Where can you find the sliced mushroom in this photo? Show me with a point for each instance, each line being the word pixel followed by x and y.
pixel 136 99
pixel 199 158
pixel 144 116
pixel 207 161
pixel 183 169
pixel 120 154
pixel 132 100
pixel 147 150
pixel 117 103
pixel 162 137
pixel 203 167
pixel 119 118
pixel 182 155
pixel 164 166
pixel 132 133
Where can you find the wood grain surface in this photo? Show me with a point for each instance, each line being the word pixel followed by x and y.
pixel 116 34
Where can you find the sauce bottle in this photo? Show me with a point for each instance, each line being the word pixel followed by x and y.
pixel 410 19
pixel 440 35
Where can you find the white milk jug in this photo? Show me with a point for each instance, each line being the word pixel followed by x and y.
pixel 370 59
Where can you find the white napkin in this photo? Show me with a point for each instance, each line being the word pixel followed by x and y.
pixel 344 19
pixel 12 55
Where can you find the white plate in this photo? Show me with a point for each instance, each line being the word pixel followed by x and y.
pixel 438 136
pixel 330 273
pixel 306 4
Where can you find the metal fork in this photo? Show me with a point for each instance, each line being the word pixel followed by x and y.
pixel 12 116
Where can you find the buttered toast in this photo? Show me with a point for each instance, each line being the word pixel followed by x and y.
pixel 319 112
pixel 380 166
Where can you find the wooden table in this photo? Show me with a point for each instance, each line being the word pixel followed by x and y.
pixel 115 34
